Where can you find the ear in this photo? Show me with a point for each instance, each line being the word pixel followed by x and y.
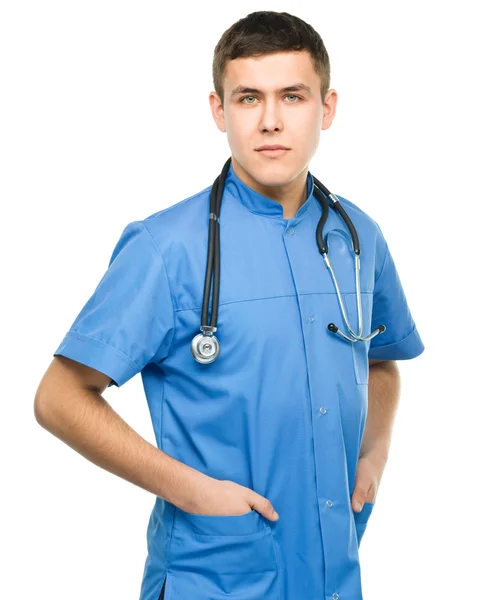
pixel 329 108
pixel 217 111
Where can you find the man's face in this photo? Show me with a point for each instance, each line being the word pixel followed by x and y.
pixel 292 118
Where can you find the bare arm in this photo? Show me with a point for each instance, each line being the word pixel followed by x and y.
pixel 384 387
pixel 384 390
pixel 69 404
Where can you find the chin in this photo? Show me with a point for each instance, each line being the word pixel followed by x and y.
pixel 267 172
pixel 273 173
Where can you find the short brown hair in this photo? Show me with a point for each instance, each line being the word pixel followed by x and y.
pixel 268 32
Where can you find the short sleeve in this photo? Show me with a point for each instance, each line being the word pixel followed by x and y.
pixel 401 340
pixel 128 321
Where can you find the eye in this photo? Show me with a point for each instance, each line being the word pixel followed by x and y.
pixel 244 98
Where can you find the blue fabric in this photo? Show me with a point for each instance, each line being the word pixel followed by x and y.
pixel 128 321
pixel 283 408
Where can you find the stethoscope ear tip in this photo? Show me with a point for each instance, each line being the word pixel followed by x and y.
pixel 381 328
pixel 332 327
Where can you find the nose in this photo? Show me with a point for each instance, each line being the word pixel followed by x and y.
pixel 271 117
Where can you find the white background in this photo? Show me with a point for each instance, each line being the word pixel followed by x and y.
pixel 104 120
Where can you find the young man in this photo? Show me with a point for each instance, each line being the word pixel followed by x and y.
pixel 276 422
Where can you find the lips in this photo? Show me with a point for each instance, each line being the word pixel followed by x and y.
pixel 277 152
pixel 272 147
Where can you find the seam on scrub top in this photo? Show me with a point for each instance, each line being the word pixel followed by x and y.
pixel 268 298
pixel 169 287
pixel 157 214
pixel 162 385
pixel 395 343
pixel 384 264
pixel 90 337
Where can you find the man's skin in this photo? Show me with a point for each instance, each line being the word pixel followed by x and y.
pixel 69 402
pixel 384 391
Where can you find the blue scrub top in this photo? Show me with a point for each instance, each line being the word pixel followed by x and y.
pixel 282 409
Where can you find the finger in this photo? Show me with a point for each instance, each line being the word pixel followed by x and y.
pixel 264 507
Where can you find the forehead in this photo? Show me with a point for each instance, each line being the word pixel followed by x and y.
pixel 271 70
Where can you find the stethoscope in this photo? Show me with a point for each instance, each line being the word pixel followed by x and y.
pixel 205 346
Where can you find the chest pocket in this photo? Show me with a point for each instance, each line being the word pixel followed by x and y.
pixel 360 349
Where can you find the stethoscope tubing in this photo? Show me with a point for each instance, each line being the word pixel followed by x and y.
pixel 323 194
pixel 211 348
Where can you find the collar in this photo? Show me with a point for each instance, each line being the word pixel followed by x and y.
pixel 260 204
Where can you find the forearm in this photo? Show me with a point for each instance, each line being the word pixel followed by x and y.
pixel 85 421
pixel 383 398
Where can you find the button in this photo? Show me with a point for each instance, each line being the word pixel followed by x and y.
pixel 323 410
pixel 329 503
pixel 292 231
pixel 311 318
pixel 334 596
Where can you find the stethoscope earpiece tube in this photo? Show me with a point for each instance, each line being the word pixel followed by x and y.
pixel 205 346
pixel 322 247
pixel 210 254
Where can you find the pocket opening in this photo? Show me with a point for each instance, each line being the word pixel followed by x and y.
pixel 361 520
pixel 248 525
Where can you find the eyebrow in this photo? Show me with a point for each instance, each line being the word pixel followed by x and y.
pixel 240 89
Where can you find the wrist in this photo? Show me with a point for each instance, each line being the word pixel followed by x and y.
pixel 197 491
pixel 376 454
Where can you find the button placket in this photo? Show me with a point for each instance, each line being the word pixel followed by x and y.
pixel 328 517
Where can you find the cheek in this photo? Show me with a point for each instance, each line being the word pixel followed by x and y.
pixel 306 127
pixel 305 142
pixel 313 128
pixel 237 130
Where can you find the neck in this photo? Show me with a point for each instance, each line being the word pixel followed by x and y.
pixel 291 195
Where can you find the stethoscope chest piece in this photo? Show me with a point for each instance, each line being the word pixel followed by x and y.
pixel 205 348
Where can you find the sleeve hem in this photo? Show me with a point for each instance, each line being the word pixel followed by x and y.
pixel 98 355
pixel 409 347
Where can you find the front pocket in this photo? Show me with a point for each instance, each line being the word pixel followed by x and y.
pixel 360 349
pixel 214 525
pixel 213 556
pixel 361 518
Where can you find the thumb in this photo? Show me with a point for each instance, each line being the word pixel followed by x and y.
pixel 358 499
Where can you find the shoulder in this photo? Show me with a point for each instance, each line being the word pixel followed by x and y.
pixel 357 215
pixel 180 221
pixel 368 230
pixel 362 221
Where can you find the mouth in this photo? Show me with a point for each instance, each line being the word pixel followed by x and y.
pixel 274 151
